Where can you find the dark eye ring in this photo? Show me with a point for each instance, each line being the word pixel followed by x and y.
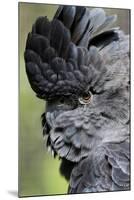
pixel 86 98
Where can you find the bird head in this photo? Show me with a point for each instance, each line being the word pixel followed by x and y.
pixel 83 79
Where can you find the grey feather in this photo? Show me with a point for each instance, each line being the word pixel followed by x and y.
pixel 74 58
pixel 97 172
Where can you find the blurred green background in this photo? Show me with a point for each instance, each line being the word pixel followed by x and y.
pixel 38 171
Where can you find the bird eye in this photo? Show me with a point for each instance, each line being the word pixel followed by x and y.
pixel 86 98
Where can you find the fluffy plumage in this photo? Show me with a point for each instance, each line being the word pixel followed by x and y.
pixel 66 58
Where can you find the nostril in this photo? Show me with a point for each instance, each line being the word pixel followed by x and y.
pixel 58 129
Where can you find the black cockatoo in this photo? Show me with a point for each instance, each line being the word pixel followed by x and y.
pixel 80 66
